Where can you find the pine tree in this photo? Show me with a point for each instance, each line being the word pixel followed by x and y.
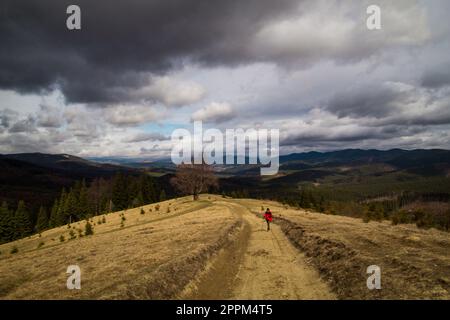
pixel 6 224
pixel 162 195
pixel 88 229
pixel 133 190
pixel 72 209
pixel 62 214
pixel 148 189
pixel 42 220
pixel 120 192
pixel 54 215
pixel 83 201
pixel 140 198
pixel 321 204
pixel 22 221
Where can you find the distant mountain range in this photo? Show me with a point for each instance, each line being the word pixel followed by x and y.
pixel 93 166
pixel 40 177
pixel 397 157
pixel 59 162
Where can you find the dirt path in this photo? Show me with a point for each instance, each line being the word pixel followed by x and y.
pixel 260 264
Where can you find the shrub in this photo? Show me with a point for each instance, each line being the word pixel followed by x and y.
pixel 88 230
pixel 40 244
pixel 402 216
pixel 168 209
pixel 157 207
pixel 142 211
pixel 72 235
pixel 442 220
pixel 61 238
pixel 366 218
pixel 14 250
pixel 423 219
pixel 374 212
pixel 104 219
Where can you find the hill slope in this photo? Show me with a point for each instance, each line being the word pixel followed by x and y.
pixel 218 248
pixel 38 178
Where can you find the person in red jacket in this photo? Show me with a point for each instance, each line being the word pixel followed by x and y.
pixel 268 217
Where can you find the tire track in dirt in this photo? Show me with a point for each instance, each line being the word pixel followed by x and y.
pixel 260 264
pixel 219 278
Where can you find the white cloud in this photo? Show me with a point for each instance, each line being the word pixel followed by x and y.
pixel 336 30
pixel 49 116
pixel 171 92
pixel 130 115
pixel 214 112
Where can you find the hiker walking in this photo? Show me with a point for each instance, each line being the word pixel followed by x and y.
pixel 268 217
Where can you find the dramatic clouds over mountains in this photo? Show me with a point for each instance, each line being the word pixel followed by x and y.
pixel 139 69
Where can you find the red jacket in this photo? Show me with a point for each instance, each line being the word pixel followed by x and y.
pixel 268 216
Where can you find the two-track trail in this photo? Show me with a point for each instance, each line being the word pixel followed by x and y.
pixel 260 264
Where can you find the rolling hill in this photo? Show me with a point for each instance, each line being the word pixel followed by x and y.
pixel 38 178
pixel 218 248
pixel 337 181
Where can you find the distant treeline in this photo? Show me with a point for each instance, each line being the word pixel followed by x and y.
pixel 405 207
pixel 396 208
pixel 80 202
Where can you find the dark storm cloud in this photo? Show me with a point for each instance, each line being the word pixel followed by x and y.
pixel 438 77
pixel 345 136
pixel 393 104
pixel 120 42
pixel 7 117
pixel 24 141
pixel 151 136
pixel 24 125
pixel 375 101
pixel 4 123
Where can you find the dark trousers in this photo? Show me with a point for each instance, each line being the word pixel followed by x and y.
pixel 268 225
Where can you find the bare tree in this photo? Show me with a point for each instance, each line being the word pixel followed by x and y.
pixel 194 179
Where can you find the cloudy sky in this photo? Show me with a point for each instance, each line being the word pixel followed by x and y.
pixel 139 69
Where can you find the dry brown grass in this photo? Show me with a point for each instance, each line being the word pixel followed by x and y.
pixel 415 263
pixel 153 256
pixel 157 255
